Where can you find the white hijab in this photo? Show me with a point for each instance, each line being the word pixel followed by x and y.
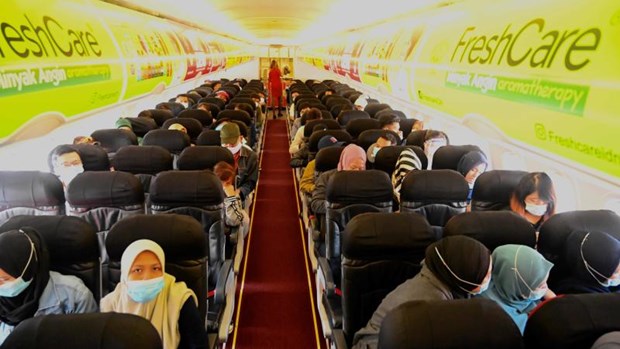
pixel 163 311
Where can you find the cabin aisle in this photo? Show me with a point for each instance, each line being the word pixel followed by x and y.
pixel 275 309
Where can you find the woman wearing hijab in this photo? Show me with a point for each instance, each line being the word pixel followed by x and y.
pixel 352 158
pixel 594 262
pixel 454 267
pixel 472 165
pixel 519 281
pixel 407 161
pixel 28 288
pixel 146 290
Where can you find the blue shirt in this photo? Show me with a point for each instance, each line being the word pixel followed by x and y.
pixel 63 294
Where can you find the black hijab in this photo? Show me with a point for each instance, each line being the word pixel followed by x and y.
pixel 602 253
pixel 471 160
pixel 15 250
pixel 466 257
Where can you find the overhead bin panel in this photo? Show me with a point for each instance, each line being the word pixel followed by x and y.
pixel 542 73
pixel 62 59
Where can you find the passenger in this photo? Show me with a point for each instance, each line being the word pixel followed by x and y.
pixel 28 288
pixel 85 140
pixel 66 163
pixel 391 122
pixel 329 92
pixel 352 158
pixel 260 117
pixel 594 262
pixel 609 340
pixel 303 108
pixel 183 100
pixel 125 124
pixel 146 290
pixel 246 160
pixel 306 184
pixel 275 87
pixel 407 161
pixel 418 125
pixel 178 127
pixel 433 141
pixel 454 267
pixel 519 281
pixel 471 166
pixel 298 140
pixel 235 215
pixel 534 198
pixel 361 102
pixel 385 140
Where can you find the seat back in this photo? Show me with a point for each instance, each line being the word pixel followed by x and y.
pixel 438 195
pixel 213 108
pixel 183 242
pixel 113 139
pixel 373 108
pixel 379 252
pixel 209 137
pixel 348 194
pixel 240 115
pixel 30 193
pixel 327 159
pixel 204 157
pixel 158 115
pixel 313 142
pixel 573 321
pixel 143 161
pixel 198 194
pixel 175 108
pixel 448 156
pixel 406 125
pixel 141 125
pixel 77 331
pixel 349 115
pixel 94 157
pixel 193 126
pixel 493 228
pixel 387 157
pixel 356 126
pixel 473 324
pixel 416 138
pixel 173 141
pixel 555 231
pixel 72 246
pixel 493 189
pixel 329 124
pixel 368 137
pixel 202 116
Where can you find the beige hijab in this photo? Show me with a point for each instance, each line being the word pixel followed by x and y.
pixel 164 310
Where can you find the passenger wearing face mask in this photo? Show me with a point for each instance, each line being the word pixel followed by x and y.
pixel 148 291
pixel 471 166
pixel 519 281
pixel 385 140
pixel 246 160
pixel 66 163
pixel 454 267
pixel 594 262
pixel 534 198
pixel 183 100
pixel 433 141
pixel 407 161
pixel 28 288
pixel 391 122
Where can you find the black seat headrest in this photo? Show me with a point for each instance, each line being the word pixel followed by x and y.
pixel 492 228
pixel 204 117
pixel 240 115
pixel 193 126
pixel 141 125
pixel 104 189
pixel 416 138
pixel 436 186
pixel 448 156
pixel 204 157
pixel 373 108
pixel 158 115
pixel 368 137
pixel 175 108
pixel 94 157
pixel 356 126
pixel 327 159
pixel 340 135
pixel 144 159
pixel 368 186
pixel 30 189
pixel 493 189
pixel 329 124
pixel 389 111
pixel 349 115
pixel 112 139
pixel 186 188
pixel 209 137
pixel 452 324
pixel 173 141
pixel 573 321
pixel 378 235
pixel 388 156
pixel 95 330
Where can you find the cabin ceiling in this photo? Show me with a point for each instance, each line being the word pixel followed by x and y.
pixel 279 22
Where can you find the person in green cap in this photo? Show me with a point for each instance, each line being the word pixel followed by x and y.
pixel 246 160
pixel 519 281
pixel 125 124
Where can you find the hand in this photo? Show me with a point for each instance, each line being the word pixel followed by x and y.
pixel 549 294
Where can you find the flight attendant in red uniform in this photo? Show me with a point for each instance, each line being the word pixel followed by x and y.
pixel 275 87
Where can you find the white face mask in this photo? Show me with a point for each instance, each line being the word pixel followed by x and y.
pixel 536 210
pixel 67 173
pixel 262 100
pixel 236 148
pixel 184 104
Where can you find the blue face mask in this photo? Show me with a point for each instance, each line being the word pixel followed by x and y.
pixel 143 291
pixel 13 288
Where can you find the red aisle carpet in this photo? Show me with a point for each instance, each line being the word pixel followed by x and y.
pixel 275 308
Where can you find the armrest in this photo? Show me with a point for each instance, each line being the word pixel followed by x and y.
pixel 328 278
pixel 223 282
pixel 330 299
pixel 338 340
